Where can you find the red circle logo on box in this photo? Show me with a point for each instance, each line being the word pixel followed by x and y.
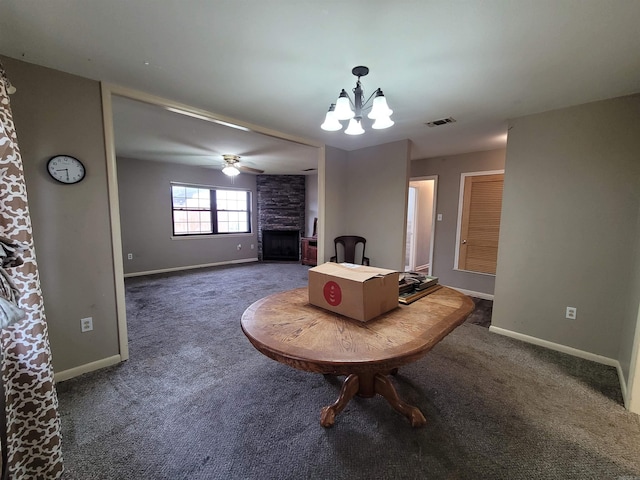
pixel 332 293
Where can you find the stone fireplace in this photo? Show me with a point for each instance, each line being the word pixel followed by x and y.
pixel 281 218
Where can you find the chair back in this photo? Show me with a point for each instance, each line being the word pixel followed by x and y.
pixel 350 249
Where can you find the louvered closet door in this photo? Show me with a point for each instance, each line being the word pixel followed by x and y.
pixel 480 228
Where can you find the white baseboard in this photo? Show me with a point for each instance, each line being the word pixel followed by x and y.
pixel 89 367
pixel 471 293
pixel 189 267
pixel 611 362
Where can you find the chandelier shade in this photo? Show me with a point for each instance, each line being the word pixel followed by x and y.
pixel 354 128
pixel 380 109
pixel 331 123
pixel 343 107
pixel 346 108
pixel 381 123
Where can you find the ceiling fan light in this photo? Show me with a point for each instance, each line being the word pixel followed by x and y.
pixel 230 171
pixel 382 122
pixel 354 127
pixel 343 107
pixel 379 108
pixel 331 123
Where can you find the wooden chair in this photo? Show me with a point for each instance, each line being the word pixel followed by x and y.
pixel 349 245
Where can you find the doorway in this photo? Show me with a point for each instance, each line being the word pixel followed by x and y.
pixel 108 92
pixel 421 205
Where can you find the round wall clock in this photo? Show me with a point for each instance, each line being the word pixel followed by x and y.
pixel 66 169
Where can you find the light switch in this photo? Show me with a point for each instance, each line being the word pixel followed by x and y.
pixel 439 217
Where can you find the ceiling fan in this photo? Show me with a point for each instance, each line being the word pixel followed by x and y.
pixel 232 166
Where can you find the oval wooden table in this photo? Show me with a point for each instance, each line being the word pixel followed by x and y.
pixel 287 328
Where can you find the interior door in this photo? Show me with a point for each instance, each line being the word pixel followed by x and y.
pixel 480 224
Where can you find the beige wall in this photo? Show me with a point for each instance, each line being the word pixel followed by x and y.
pixel 144 190
pixel 58 113
pixel 366 195
pixel 377 200
pixel 569 227
pixel 449 169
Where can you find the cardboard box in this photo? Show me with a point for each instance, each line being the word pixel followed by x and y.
pixel 356 291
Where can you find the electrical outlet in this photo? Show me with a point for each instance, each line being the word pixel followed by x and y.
pixel 86 324
pixel 572 312
pixel 129 256
pixel 252 246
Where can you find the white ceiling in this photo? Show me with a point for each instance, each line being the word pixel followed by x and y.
pixel 150 132
pixel 280 63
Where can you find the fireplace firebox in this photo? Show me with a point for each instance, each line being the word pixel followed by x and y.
pixel 281 245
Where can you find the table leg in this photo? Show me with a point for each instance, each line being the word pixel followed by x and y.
pixel 368 386
pixel 349 389
pixel 385 388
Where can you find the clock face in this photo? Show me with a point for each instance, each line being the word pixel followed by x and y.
pixel 66 169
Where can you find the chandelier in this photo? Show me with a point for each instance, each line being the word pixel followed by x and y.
pixel 352 110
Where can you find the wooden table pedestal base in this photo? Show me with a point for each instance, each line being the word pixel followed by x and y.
pixel 368 385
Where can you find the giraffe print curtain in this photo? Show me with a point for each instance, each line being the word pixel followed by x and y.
pixel 33 441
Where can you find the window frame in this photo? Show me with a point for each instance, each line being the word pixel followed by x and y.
pixel 213 211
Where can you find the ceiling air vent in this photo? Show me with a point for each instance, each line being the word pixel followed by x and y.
pixel 443 121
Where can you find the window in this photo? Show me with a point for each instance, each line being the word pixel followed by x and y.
pixel 209 211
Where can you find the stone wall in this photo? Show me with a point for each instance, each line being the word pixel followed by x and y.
pixel 281 204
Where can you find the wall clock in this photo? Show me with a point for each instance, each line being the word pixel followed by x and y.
pixel 66 169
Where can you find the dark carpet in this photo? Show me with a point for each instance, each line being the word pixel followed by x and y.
pixel 481 315
pixel 197 401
